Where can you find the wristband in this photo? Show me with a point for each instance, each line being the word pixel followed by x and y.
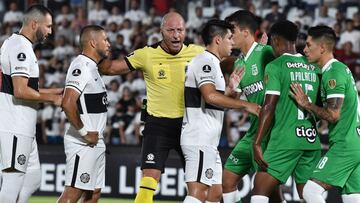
pixel 82 131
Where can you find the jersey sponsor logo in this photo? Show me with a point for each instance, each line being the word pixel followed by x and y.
pixel 85 178
pixel 300 65
pixel 105 100
pixel 76 72
pixel 21 57
pixel 309 133
pixel 209 173
pixel 254 69
pixel 74 82
pixel 21 159
pixel 206 69
pixel 253 88
pixel 20 68
pixel 332 83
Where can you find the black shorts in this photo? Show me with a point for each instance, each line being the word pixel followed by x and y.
pixel 160 136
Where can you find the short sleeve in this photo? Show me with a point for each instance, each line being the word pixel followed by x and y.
pixel 205 72
pixel 137 59
pixel 272 80
pixel 20 61
pixel 334 83
pixel 77 78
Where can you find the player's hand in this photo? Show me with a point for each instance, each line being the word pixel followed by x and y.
pixel 92 138
pixel 253 108
pixel 258 156
pixel 264 39
pixel 236 76
pixel 298 94
pixel 57 100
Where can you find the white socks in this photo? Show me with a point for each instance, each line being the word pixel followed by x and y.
pixel 11 186
pixel 190 199
pixel 259 199
pixel 31 184
pixel 312 192
pixel 351 198
pixel 230 197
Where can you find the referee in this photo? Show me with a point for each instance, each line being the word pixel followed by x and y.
pixel 163 65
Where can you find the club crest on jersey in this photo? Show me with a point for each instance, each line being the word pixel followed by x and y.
pixel 209 173
pixel 206 69
pixel 76 72
pixel 85 178
pixel 332 83
pixel 254 69
pixel 21 57
pixel 21 159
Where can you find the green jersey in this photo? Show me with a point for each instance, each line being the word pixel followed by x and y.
pixel 252 84
pixel 293 128
pixel 337 82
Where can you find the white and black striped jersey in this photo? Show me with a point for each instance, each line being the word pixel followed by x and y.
pixel 18 59
pixel 202 122
pixel 83 76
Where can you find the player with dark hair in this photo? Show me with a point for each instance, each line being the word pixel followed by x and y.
pixel 294 147
pixel 85 106
pixel 340 166
pixel 253 58
pixel 19 97
pixel 204 113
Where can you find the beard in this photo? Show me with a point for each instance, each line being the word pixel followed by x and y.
pixel 102 53
pixel 40 36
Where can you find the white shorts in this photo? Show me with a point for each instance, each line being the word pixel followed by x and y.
pixel 202 164
pixel 19 152
pixel 85 166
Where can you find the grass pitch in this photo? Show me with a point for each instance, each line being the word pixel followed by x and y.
pixel 38 199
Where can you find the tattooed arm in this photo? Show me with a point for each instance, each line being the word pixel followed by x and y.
pixel 330 113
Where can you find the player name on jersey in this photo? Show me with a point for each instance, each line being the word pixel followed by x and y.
pixel 303 76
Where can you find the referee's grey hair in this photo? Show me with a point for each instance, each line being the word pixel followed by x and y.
pixel 35 12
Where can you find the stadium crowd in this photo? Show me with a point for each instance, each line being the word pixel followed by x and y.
pixel 134 24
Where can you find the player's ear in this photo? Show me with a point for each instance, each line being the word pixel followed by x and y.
pixel 92 43
pixel 33 24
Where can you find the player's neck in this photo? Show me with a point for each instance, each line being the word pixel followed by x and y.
pixel 93 56
pixel 214 50
pixel 245 49
pixel 29 34
pixel 325 58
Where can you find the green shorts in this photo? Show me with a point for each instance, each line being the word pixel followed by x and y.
pixel 298 163
pixel 241 159
pixel 340 169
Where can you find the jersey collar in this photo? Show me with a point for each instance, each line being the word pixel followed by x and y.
pixel 94 64
pixel 296 55
pixel 327 65
pixel 254 44
pixel 19 34
pixel 213 55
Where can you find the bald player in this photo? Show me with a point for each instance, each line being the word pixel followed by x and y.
pixel 85 105
pixel 163 65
